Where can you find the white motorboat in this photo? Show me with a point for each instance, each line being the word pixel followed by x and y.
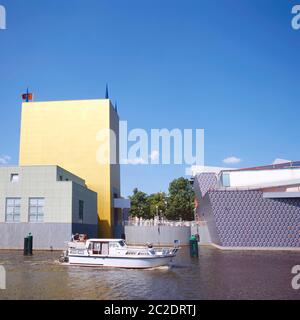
pixel 116 253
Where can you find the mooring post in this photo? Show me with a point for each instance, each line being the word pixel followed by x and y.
pixel 26 246
pixel 194 246
pixel 30 243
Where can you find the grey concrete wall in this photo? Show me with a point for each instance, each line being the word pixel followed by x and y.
pixel 158 235
pixel 45 235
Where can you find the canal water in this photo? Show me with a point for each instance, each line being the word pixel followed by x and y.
pixel 215 275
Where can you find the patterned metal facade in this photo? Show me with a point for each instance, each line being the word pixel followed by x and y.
pixel 244 218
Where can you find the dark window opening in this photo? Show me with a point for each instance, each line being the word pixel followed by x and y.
pixel 81 209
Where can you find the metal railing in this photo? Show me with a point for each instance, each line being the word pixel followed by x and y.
pixel 139 222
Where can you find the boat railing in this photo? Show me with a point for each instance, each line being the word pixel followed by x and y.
pixel 166 250
pixel 137 251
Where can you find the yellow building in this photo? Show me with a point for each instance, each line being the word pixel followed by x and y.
pixel 69 134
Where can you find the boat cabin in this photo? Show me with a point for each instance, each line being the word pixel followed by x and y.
pixel 105 246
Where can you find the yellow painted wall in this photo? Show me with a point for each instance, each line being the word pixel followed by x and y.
pixel 64 133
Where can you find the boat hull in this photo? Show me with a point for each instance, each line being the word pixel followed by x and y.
pixel 121 262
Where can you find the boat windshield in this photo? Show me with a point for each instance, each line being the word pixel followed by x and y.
pixel 122 243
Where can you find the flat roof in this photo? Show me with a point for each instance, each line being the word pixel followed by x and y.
pixel 38 166
pixel 67 100
pixel 106 240
pixel 264 185
pixel 285 165
pixel 73 177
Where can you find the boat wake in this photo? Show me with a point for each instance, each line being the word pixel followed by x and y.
pixel 162 268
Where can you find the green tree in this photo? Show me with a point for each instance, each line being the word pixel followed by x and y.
pixel 181 200
pixel 139 205
pixel 157 203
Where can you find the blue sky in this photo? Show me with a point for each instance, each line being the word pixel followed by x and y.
pixel 228 66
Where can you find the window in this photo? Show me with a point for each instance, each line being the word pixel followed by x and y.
pixel 12 211
pixel 14 177
pixel 36 209
pixel 97 248
pixel 226 179
pixel 81 207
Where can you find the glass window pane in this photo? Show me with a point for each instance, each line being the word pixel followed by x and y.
pixel 9 217
pixel 17 202
pixel 13 208
pixel 226 180
pixel 9 210
pixel 33 202
pixel 32 210
pixel 36 209
pixel 17 210
pixel 81 208
pixel 10 202
pixel 32 218
pixel 41 202
pixel 14 177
